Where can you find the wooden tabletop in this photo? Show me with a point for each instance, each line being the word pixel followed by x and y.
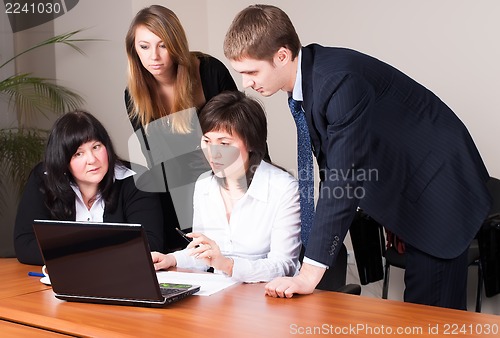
pixel 14 279
pixel 244 311
pixel 8 329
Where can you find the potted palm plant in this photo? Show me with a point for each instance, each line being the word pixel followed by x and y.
pixel 22 147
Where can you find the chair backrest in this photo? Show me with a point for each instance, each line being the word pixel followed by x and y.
pixel 493 186
pixel 368 242
pixel 489 242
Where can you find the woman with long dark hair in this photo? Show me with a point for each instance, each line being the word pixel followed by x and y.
pixel 81 178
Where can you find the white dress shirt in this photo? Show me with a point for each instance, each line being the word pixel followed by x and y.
pixel 297 93
pixel 263 235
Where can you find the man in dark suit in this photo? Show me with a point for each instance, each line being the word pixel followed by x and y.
pixel 383 143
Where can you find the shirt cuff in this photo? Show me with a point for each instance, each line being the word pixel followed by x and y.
pixel 318 264
pixel 182 258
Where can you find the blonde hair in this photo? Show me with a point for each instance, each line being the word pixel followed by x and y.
pixel 258 32
pixel 146 100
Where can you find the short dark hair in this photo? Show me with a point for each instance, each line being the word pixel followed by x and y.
pixel 235 112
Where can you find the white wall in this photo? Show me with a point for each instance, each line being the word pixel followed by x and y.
pixel 450 46
pixel 100 75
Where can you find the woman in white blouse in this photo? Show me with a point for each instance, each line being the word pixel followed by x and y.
pixel 246 211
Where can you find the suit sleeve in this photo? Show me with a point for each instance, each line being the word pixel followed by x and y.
pixel 346 112
pixel 31 207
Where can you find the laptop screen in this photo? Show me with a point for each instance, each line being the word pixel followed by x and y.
pixel 98 259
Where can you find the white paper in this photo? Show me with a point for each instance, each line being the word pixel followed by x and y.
pixel 210 282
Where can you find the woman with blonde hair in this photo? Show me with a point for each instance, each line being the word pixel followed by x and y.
pixel 167 85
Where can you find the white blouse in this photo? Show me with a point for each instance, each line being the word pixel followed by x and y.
pixel 263 235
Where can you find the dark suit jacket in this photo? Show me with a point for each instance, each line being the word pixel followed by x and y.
pixel 385 143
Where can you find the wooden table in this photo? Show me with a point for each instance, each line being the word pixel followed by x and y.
pixel 8 329
pixel 14 279
pixel 242 311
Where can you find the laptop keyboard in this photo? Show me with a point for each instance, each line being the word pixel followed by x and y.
pixel 167 291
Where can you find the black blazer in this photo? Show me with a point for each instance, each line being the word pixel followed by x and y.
pixel 387 144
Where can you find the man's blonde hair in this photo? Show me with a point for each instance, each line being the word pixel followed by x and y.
pixel 258 32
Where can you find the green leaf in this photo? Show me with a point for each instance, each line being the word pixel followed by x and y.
pixel 20 151
pixel 61 38
pixel 33 96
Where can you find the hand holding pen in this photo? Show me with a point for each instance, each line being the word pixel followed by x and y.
pixel 207 249
pixel 188 239
pixel 202 249
pixel 164 261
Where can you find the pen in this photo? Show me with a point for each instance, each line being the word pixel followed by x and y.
pixel 184 235
pixel 36 274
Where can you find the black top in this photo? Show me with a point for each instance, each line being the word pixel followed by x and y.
pixel 215 78
pixel 133 206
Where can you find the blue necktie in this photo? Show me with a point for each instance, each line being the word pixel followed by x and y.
pixel 305 168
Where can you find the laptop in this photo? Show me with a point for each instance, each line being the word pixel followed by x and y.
pixel 108 263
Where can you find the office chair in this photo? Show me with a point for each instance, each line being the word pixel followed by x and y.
pixel 489 242
pixel 334 278
pixel 394 258
pixel 484 251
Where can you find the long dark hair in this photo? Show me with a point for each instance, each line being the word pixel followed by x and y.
pixel 234 112
pixel 69 132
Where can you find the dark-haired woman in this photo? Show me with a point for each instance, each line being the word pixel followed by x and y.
pixel 246 211
pixel 82 179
